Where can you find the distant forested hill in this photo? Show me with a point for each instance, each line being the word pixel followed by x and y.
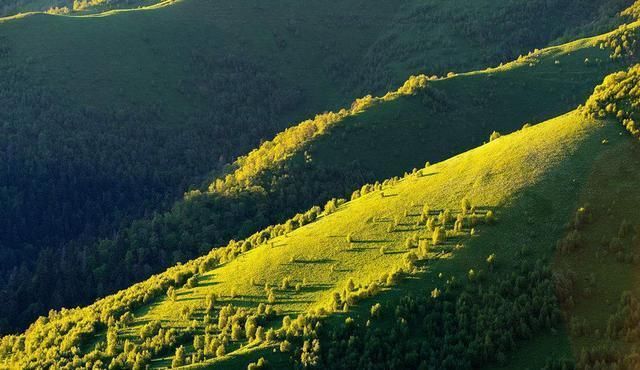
pixel 111 119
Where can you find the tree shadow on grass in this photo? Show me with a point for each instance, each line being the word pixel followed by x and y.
pixel 342 270
pixel 293 300
pixel 277 245
pixel 372 241
pixel 358 249
pixel 385 195
pixel 316 288
pixel 207 283
pixel 305 261
pixel 187 299
pixel 395 252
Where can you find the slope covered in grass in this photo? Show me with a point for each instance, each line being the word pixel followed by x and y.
pixel 534 174
pixel 493 177
pixel 113 117
pixel 485 285
pixel 426 120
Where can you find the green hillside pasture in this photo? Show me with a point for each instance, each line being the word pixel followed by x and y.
pixel 163 108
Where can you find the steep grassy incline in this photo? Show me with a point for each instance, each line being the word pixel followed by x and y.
pixel 113 117
pixel 426 120
pixel 514 177
pixel 529 180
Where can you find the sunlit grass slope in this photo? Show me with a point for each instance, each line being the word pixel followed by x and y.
pixel 529 174
pixel 433 119
pixel 530 180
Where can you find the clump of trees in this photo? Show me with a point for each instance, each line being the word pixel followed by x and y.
pixel 439 235
pixel 261 364
pixel 457 327
pixel 625 322
pixel 622 42
pixel 494 136
pixel 617 97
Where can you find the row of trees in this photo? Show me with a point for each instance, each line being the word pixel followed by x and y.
pixel 623 43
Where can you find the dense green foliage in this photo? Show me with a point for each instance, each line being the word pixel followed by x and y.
pixel 77 174
pixel 465 325
pixel 618 97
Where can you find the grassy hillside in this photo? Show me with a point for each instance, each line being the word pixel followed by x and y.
pixel 114 117
pixel 493 177
pixel 426 120
pixel 529 181
pixel 488 259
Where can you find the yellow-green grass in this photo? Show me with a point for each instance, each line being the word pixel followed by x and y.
pixel 532 173
pixel 491 176
pixel 127 60
pixel 531 179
